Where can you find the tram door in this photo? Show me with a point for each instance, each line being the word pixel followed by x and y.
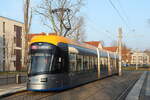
pixel 63 62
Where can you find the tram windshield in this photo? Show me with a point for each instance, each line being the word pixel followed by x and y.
pixel 40 62
pixel 41 58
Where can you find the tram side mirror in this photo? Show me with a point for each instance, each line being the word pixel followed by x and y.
pixel 59 59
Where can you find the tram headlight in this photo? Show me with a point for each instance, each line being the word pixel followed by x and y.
pixel 43 79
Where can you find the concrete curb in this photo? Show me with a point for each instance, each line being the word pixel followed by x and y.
pixel 135 92
pixel 11 92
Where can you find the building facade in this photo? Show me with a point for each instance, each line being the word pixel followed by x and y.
pixel 11 44
pixel 125 54
pixel 139 58
pixel 148 53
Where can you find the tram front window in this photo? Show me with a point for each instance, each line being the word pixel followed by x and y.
pixel 40 62
pixel 44 58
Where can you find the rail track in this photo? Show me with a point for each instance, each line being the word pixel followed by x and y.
pixel 113 87
pixel 29 95
pixel 123 94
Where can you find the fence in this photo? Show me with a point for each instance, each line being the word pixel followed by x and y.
pixel 12 79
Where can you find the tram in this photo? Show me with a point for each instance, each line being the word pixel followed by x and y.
pixel 58 63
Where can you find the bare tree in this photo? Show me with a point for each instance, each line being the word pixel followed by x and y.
pixel 27 25
pixel 78 29
pixel 27 16
pixel 58 15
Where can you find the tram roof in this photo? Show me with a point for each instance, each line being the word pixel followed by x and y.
pixel 55 39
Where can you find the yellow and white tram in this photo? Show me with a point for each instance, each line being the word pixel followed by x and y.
pixel 58 63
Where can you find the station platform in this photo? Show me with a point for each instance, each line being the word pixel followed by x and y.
pixel 141 90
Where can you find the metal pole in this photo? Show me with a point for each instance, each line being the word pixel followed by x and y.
pixel 98 68
pixel 136 60
pixel 120 45
pixel 18 78
pixel 109 66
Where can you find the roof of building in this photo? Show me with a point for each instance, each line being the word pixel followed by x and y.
pixel 115 49
pixel 94 43
pixel 12 19
pixel 112 49
pixel 125 51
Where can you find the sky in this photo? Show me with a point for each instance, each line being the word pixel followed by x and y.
pixel 101 19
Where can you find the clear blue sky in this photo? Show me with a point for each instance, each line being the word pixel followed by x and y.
pixel 101 20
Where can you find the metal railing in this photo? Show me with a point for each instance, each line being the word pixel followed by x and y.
pixel 12 79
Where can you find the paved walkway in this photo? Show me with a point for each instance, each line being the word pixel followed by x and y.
pixel 141 90
pixel 6 90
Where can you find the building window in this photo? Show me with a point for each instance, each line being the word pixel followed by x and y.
pixel 3 64
pixel 14 52
pixel 18 38
pixel 3 40
pixel 3 27
pixel 14 39
pixel 15 63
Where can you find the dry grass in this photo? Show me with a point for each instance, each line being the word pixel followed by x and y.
pixel 12 73
pixel 138 69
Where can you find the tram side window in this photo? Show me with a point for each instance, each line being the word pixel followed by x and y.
pixel 114 64
pixel 96 61
pixel 102 61
pixel 95 64
pixel 88 61
pixel 79 62
pixel 111 62
pixel 92 62
pixel 72 60
pixel 81 67
pixel 114 60
pixel 106 62
pixel 117 63
pixel 85 63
